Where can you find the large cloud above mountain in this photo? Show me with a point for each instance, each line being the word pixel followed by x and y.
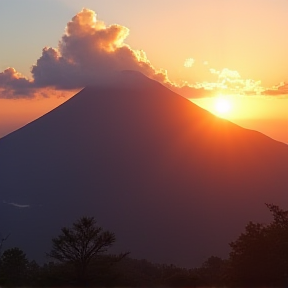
pixel 87 52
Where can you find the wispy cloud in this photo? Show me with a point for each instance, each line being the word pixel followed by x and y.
pixel 281 89
pixel 17 204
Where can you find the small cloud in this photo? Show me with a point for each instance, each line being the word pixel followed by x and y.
pixel 205 63
pixel 214 71
pixel 230 74
pixel 281 89
pixel 189 62
pixel 17 205
pixel 232 82
pixel 14 84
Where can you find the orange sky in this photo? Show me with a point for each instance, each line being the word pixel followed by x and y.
pixel 214 48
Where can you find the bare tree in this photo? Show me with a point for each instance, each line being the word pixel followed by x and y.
pixel 81 244
pixel 2 242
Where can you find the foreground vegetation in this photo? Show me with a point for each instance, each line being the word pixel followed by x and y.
pixel 258 257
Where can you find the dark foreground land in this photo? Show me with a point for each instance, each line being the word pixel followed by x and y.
pixel 258 258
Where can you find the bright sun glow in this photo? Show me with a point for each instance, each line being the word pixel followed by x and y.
pixel 222 106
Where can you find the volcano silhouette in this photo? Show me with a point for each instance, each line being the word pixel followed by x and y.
pixel 175 183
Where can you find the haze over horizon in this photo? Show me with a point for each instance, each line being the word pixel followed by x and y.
pixel 219 58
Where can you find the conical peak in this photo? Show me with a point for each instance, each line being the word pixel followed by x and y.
pixel 125 78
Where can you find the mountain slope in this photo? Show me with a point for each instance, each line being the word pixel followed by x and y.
pixel 174 182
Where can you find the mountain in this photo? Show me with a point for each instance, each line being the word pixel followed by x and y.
pixel 175 183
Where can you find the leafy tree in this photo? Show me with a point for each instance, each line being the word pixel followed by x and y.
pixel 213 271
pixel 260 255
pixel 33 273
pixel 81 245
pixel 13 267
pixel 54 274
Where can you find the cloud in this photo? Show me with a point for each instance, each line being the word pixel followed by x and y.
pixel 17 205
pixel 226 73
pixel 189 62
pixel 232 82
pixel 89 51
pixel 229 74
pixel 14 84
pixel 281 89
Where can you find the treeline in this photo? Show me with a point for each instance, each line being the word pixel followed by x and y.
pixel 258 257
pixel 107 271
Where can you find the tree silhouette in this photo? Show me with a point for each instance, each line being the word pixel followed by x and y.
pixel 3 239
pixel 260 255
pixel 213 271
pixel 81 244
pixel 13 266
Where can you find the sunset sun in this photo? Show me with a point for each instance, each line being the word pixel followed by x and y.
pixel 223 106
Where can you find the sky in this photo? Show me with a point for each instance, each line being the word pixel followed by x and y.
pixel 229 57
